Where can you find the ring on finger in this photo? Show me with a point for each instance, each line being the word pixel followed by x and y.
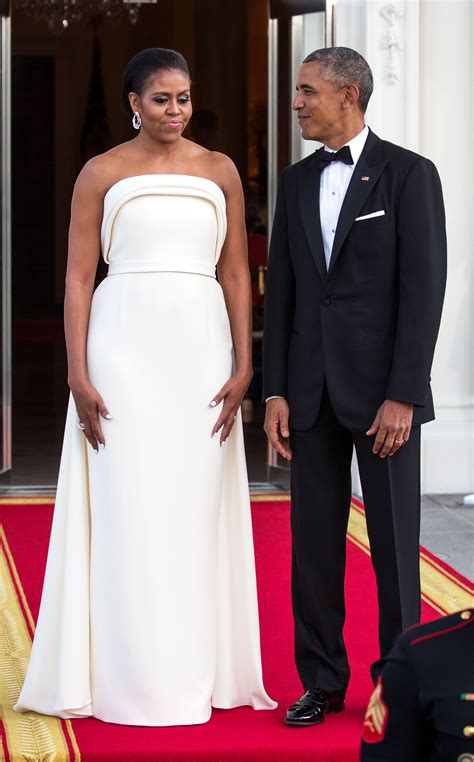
pixel 399 441
pixel 81 426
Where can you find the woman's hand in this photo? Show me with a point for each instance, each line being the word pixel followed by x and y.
pixel 89 406
pixel 232 393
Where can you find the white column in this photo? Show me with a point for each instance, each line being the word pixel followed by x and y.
pixel 420 52
pixel 446 128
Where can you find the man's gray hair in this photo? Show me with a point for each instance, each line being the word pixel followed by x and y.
pixel 344 66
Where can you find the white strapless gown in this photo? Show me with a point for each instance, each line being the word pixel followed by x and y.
pixel 149 611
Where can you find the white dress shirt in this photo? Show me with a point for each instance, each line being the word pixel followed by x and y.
pixel 335 179
pixel 333 185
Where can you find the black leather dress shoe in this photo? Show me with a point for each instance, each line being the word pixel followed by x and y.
pixel 312 707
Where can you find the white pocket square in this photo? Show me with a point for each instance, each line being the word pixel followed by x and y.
pixel 369 216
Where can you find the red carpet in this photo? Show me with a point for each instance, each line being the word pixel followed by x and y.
pixel 239 734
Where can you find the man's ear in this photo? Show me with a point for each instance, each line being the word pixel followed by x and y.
pixel 351 96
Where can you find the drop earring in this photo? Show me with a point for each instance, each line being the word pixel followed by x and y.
pixel 136 121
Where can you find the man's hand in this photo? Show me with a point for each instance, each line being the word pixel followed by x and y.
pixel 276 426
pixel 392 426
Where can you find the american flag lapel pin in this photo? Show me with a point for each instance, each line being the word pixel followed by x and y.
pixel 365 177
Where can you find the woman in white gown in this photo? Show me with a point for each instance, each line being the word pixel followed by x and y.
pixel 149 610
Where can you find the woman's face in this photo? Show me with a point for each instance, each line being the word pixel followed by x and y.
pixel 164 105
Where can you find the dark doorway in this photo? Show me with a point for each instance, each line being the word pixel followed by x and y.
pixel 39 371
pixel 66 107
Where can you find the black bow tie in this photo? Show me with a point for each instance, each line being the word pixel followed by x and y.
pixel 323 158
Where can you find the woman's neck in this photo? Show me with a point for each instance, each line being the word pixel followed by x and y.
pixel 156 149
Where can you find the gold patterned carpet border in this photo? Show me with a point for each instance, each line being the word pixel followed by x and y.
pixel 26 500
pixel 441 589
pixel 29 737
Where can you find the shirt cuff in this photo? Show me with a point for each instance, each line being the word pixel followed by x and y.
pixel 275 397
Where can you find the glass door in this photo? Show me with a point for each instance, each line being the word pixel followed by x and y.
pixel 296 28
pixel 5 225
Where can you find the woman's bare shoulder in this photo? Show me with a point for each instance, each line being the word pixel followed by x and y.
pixel 224 172
pixel 103 170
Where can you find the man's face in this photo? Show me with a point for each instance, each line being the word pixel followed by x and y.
pixel 319 104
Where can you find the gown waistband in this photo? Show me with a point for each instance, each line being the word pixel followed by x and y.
pixel 158 266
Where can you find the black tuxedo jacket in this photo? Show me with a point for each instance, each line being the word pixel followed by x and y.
pixel 368 325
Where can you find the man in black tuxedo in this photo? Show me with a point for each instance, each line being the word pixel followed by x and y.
pixel 355 286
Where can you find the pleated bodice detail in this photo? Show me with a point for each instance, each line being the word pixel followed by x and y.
pixel 163 223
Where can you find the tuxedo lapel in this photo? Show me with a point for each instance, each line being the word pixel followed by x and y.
pixel 366 173
pixel 309 176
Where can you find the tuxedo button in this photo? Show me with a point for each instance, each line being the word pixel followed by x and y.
pixel 326 301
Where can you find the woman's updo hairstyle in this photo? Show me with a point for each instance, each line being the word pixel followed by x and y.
pixel 144 65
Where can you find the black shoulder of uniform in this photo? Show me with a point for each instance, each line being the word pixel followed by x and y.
pixel 447 625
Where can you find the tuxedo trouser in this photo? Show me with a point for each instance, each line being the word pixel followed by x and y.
pixel 320 504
